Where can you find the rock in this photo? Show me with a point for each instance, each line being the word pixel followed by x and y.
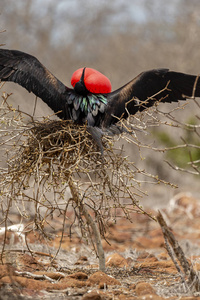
pixel 37 285
pixel 144 288
pixel 116 260
pixel 79 275
pixel 72 282
pixel 102 286
pixel 27 283
pixel 159 266
pixel 29 263
pixel 101 277
pixel 92 296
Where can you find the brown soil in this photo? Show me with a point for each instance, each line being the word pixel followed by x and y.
pixel 137 264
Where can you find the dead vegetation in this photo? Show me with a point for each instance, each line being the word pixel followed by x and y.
pixel 55 166
pixel 35 168
pixel 190 278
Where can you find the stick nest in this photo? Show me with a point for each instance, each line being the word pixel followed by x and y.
pixel 62 143
pixel 54 166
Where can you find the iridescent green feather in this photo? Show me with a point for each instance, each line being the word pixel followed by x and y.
pixel 86 106
pixel 90 105
pixel 92 99
pixel 102 99
pixel 83 104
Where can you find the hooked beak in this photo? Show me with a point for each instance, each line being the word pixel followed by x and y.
pixel 80 85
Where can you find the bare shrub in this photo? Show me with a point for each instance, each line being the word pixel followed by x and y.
pixel 54 166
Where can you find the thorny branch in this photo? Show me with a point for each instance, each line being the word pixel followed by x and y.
pixel 188 270
pixel 55 167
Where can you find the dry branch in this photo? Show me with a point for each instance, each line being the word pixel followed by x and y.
pixel 188 270
pixel 46 160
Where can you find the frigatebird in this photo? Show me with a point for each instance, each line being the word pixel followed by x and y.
pixel 91 100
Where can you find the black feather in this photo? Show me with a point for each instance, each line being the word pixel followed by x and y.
pixel 147 88
pixel 100 110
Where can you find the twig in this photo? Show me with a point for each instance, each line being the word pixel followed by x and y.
pixel 35 276
pixel 90 222
pixel 187 268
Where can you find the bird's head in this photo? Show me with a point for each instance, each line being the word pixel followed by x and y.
pixel 87 80
pixel 79 86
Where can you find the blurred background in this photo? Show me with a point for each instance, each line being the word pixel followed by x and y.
pixel 120 39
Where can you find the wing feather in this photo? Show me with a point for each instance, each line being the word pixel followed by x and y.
pixel 147 88
pixel 28 72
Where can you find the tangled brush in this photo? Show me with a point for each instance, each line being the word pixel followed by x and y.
pixel 56 165
pixel 55 153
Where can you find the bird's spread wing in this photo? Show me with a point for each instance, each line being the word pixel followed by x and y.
pixel 28 72
pixel 147 88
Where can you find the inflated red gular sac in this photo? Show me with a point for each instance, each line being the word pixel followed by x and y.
pixel 90 98
pixel 95 82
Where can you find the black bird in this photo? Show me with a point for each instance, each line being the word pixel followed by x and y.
pixel 91 98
